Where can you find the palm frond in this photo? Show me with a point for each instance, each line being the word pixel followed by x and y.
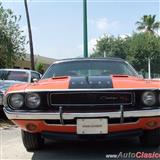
pixel 156 25
pixel 142 27
pixel 139 23
pixel 148 22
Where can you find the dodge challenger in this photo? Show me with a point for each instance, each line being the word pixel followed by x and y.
pixel 86 98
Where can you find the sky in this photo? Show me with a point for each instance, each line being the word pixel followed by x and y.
pixel 57 25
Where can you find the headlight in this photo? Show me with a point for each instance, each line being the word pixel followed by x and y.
pixel 16 101
pixel 149 98
pixel 1 99
pixel 32 100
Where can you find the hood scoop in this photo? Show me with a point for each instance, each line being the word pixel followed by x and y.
pixel 60 77
pixel 120 75
pixel 90 82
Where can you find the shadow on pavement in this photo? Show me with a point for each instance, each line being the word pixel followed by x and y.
pixel 4 121
pixel 88 150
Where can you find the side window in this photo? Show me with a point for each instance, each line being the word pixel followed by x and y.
pixel 35 75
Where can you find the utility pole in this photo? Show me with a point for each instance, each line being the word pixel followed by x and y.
pixel 85 34
pixel 30 36
pixel 149 68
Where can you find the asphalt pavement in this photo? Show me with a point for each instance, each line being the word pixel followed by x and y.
pixel 11 148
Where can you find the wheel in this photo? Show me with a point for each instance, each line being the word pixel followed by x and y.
pixel 151 138
pixel 32 141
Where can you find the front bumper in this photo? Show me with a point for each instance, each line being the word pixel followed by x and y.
pixel 147 120
pixel 69 116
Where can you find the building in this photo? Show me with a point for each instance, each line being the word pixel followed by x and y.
pixel 25 64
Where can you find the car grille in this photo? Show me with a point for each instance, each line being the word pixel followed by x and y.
pixel 91 98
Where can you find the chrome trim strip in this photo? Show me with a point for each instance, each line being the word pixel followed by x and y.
pixel 56 115
pixel 72 90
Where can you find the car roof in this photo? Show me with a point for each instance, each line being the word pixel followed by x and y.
pixel 92 59
pixel 21 70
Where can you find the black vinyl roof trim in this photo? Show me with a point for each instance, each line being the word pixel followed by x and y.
pixel 85 59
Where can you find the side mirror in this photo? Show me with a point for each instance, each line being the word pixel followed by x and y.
pixel 34 80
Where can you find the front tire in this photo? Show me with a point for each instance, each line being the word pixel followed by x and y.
pixel 32 141
pixel 151 138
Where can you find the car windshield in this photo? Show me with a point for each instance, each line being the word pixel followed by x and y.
pixel 90 68
pixel 14 75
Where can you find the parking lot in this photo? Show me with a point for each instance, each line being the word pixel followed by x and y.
pixel 13 149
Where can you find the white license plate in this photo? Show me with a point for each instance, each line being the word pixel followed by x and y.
pixel 92 126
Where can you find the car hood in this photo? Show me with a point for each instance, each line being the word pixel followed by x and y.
pixel 5 84
pixel 99 82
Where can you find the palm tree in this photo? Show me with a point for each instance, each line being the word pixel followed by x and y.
pixel 30 35
pixel 148 24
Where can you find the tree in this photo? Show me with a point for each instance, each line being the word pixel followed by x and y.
pixel 148 23
pixel 30 35
pixel 141 47
pixel 111 46
pixel 12 41
pixel 136 49
pixel 40 68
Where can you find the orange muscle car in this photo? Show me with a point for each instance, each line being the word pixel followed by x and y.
pixel 86 97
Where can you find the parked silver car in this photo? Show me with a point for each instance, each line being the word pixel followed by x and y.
pixel 8 77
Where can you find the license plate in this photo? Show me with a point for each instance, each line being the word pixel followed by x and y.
pixel 92 126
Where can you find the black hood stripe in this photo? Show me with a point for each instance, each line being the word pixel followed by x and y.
pixel 90 82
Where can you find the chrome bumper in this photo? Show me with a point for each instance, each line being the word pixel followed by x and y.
pixel 67 116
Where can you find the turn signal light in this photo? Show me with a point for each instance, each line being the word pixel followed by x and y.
pixel 31 127
pixel 151 124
